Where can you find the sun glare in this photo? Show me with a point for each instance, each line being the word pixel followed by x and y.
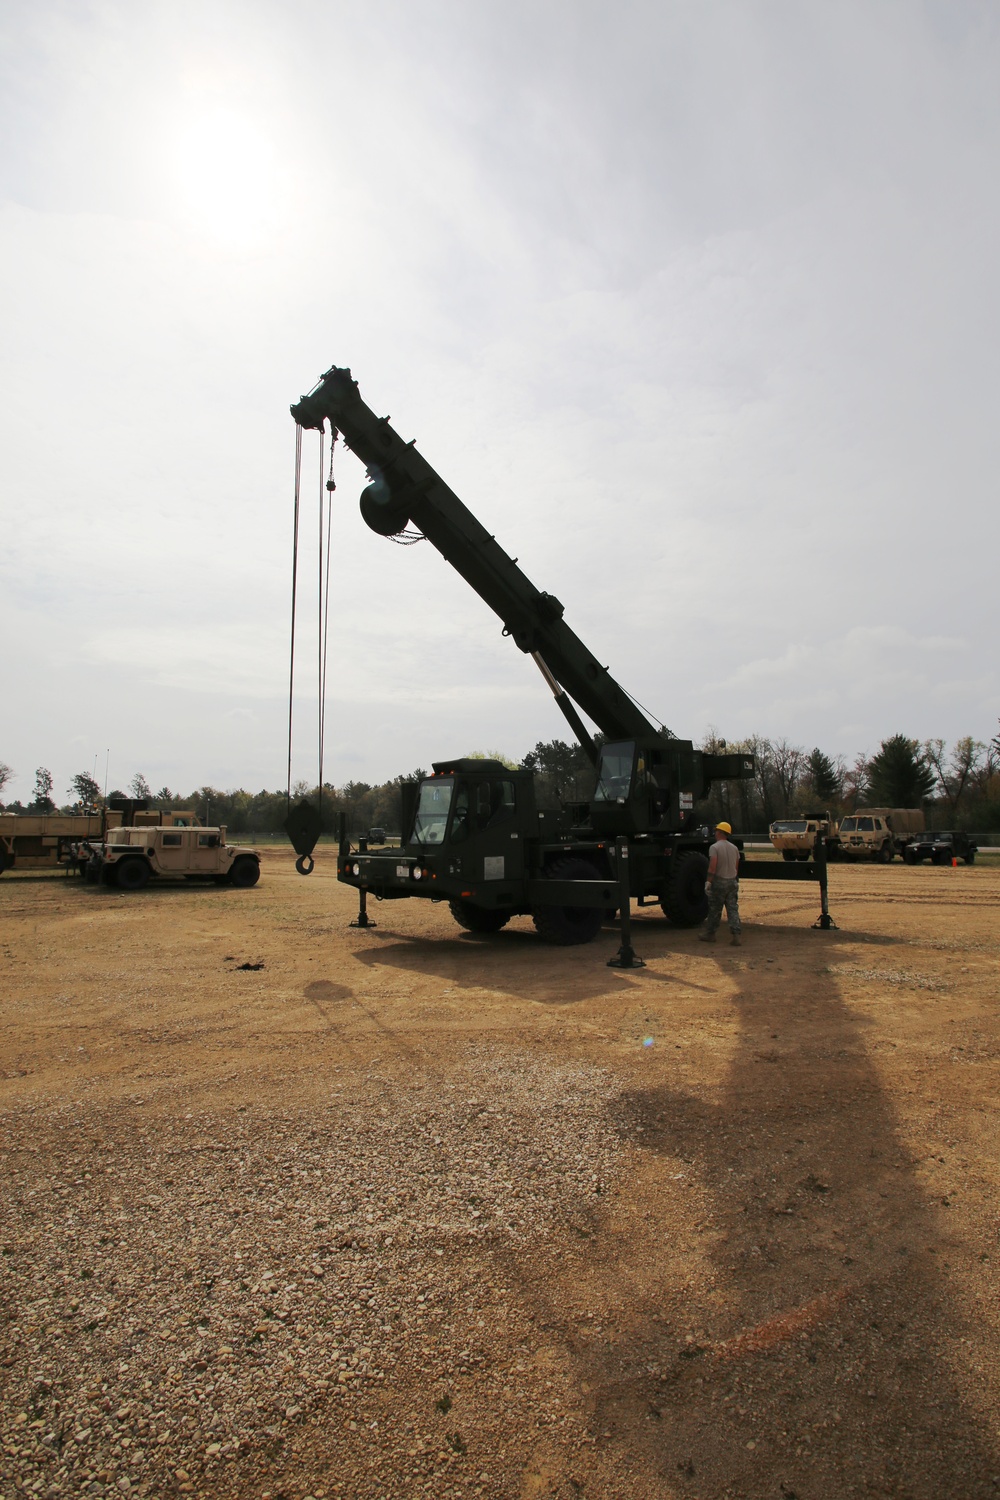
pixel 227 179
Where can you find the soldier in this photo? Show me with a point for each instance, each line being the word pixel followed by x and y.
pixel 723 886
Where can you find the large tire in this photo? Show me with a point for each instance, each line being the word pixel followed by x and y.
pixel 132 874
pixel 885 854
pixel 245 871
pixel 789 854
pixel 478 918
pixel 909 857
pixel 683 898
pixel 567 925
pixel 970 858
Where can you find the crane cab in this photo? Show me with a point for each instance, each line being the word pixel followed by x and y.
pixel 645 786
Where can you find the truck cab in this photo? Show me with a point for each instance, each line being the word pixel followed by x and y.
pixel 795 838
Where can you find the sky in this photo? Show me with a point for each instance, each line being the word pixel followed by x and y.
pixel 694 305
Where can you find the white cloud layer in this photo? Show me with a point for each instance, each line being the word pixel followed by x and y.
pixel 695 307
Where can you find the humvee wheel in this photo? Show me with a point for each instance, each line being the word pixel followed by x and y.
pixel 477 918
pixel 567 925
pixel 970 858
pixel 132 873
pixel 683 897
pixel 245 871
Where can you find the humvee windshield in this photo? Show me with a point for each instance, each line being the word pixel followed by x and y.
pixel 614 771
pixel 431 817
pixel 790 827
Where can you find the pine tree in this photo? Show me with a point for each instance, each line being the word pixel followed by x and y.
pixel 900 775
pixel 825 779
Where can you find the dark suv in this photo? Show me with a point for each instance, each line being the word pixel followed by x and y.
pixel 940 848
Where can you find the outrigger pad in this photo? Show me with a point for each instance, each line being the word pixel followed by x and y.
pixel 303 827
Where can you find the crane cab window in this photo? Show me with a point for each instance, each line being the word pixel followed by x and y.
pixel 614 771
pixel 433 807
pixel 481 804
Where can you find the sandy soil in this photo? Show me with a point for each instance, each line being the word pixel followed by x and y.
pixel 408 1211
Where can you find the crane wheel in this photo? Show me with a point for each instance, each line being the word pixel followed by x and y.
pixel 567 925
pixel 478 918
pixel 683 897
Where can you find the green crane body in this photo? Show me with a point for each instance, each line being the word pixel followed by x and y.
pixel 472 833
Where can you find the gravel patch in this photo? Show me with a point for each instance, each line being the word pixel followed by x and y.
pixel 273 1299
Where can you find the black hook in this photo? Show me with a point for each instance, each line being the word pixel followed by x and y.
pixel 304 864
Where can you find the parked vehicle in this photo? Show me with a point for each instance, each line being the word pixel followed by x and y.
pixel 47 841
pixel 472 833
pixel 940 848
pixel 376 835
pixel 131 857
pixel 796 837
pixel 878 832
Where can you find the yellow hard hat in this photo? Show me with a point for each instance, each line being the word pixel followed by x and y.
pixel 723 828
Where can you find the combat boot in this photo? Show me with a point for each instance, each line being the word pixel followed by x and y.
pixel 706 937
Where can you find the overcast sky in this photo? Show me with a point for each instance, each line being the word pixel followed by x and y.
pixel 694 305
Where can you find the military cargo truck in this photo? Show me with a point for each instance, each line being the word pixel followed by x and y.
pixel 48 841
pixel 131 857
pixel 878 832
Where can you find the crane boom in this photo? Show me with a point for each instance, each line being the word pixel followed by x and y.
pixel 406 489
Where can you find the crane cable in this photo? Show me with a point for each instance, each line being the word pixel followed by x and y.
pixel 304 864
pixel 295 577
pixel 323 628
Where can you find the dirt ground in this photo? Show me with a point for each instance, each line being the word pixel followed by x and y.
pixel 409 1212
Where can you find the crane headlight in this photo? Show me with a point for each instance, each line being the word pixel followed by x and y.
pixel 418 873
pixel 355 869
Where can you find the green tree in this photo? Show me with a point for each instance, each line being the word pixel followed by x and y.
pixel 900 775
pixel 85 792
pixel 559 768
pixel 957 773
pixel 42 801
pixel 139 788
pixel 6 772
pixel 826 780
pixel 857 781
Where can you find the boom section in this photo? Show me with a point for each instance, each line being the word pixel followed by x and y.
pixel 405 489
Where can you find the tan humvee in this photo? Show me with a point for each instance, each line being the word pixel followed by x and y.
pixel 131 857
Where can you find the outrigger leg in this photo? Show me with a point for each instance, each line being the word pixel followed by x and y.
pixel 824 921
pixel 626 957
pixel 363 919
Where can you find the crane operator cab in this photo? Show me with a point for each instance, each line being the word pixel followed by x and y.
pixel 646 787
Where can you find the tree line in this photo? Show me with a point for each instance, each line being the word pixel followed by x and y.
pixel 958 785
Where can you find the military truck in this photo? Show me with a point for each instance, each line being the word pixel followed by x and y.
pixel 472 832
pixel 131 857
pixel 49 841
pixel 878 833
pixel 795 838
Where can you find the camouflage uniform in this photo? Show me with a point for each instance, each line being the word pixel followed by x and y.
pixel 723 893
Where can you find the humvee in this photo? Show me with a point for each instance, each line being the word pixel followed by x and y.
pixel 131 857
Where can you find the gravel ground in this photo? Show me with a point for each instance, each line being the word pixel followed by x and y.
pixel 404 1212
pixel 196 1295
